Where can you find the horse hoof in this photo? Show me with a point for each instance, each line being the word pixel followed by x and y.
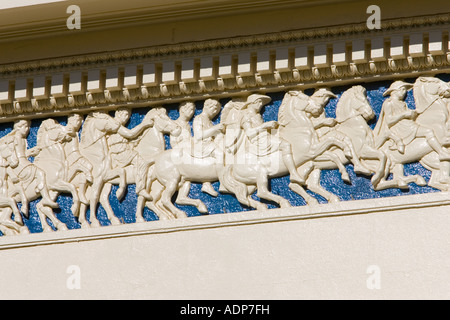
pixel 208 188
pixel 346 178
pixel 24 230
pixel 85 225
pixel 420 181
pixel 402 185
pixel 180 215
pixel 47 229
pixel 95 224
pixel 202 208
pixel 333 200
pixel 62 227
pixel 285 204
pixel 115 221
pixel 261 206
pixel 312 201
pixel 120 193
pixel 140 219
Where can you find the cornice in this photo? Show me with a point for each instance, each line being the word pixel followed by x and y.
pixel 235 43
pixel 117 13
pixel 253 63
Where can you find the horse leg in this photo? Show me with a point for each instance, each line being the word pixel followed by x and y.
pixel 335 159
pixel 256 204
pixel 67 187
pixel 166 199
pixel 382 171
pixel 298 189
pixel 12 205
pixel 82 216
pixel 122 175
pixel 104 201
pixel 9 227
pixel 444 171
pixel 325 145
pixel 47 212
pixel 94 199
pixel 183 198
pixel 313 184
pixel 399 175
pixel 155 205
pixel 435 181
pixel 262 184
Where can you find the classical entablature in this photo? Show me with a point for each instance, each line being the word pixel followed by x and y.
pixel 78 147
pixel 226 67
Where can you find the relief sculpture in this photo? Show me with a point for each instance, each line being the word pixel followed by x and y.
pixel 239 154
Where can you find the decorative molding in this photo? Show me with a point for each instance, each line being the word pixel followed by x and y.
pixel 243 152
pixel 225 67
pixel 342 209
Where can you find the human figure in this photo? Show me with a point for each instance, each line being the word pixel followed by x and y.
pixel 208 137
pixel 184 140
pixel 122 152
pixel 262 142
pixel 9 159
pixel 186 112
pixel 76 162
pixel 397 122
pixel 28 172
pixel 326 126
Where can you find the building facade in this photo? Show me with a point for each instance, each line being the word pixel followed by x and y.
pixel 225 150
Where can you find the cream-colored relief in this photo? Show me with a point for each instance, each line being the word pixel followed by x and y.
pixel 242 152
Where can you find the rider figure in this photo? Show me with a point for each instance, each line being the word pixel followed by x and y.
pixel 208 137
pixel 262 143
pixel 122 152
pixel 76 162
pixel 184 139
pixel 324 125
pixel 397 122
pixel 29 171
pixel 186 111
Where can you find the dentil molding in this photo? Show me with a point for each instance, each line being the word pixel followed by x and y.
pixel 226 67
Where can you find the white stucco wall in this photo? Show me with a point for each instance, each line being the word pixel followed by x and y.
pixel 303 253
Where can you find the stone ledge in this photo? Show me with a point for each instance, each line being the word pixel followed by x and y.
pixel 355 207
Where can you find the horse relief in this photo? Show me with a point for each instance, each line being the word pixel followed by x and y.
pixel 228 149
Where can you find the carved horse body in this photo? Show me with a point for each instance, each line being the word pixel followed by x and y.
pixel 93 146
pixel 150 143
pixel 243 171
pixel 430 96
pixel 52 160
pixel 28 187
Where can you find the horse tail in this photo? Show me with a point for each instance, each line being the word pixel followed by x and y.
pixel 231 184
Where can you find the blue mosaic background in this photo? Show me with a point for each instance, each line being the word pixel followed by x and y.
pixel 361 188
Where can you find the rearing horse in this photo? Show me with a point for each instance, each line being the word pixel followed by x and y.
pixel 94 147
pixel 148 145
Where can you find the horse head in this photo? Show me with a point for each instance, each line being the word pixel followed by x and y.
pixel 8 153
pixel 428 90
pixel 295 105
pixel 162 122
pixel 353 103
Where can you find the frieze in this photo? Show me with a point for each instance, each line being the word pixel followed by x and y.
pixel 255 151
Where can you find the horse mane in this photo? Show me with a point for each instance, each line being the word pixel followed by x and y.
pixel 228 108
pixel 419 93
pixel 43 129
pixel 285 114
pixel 354 92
